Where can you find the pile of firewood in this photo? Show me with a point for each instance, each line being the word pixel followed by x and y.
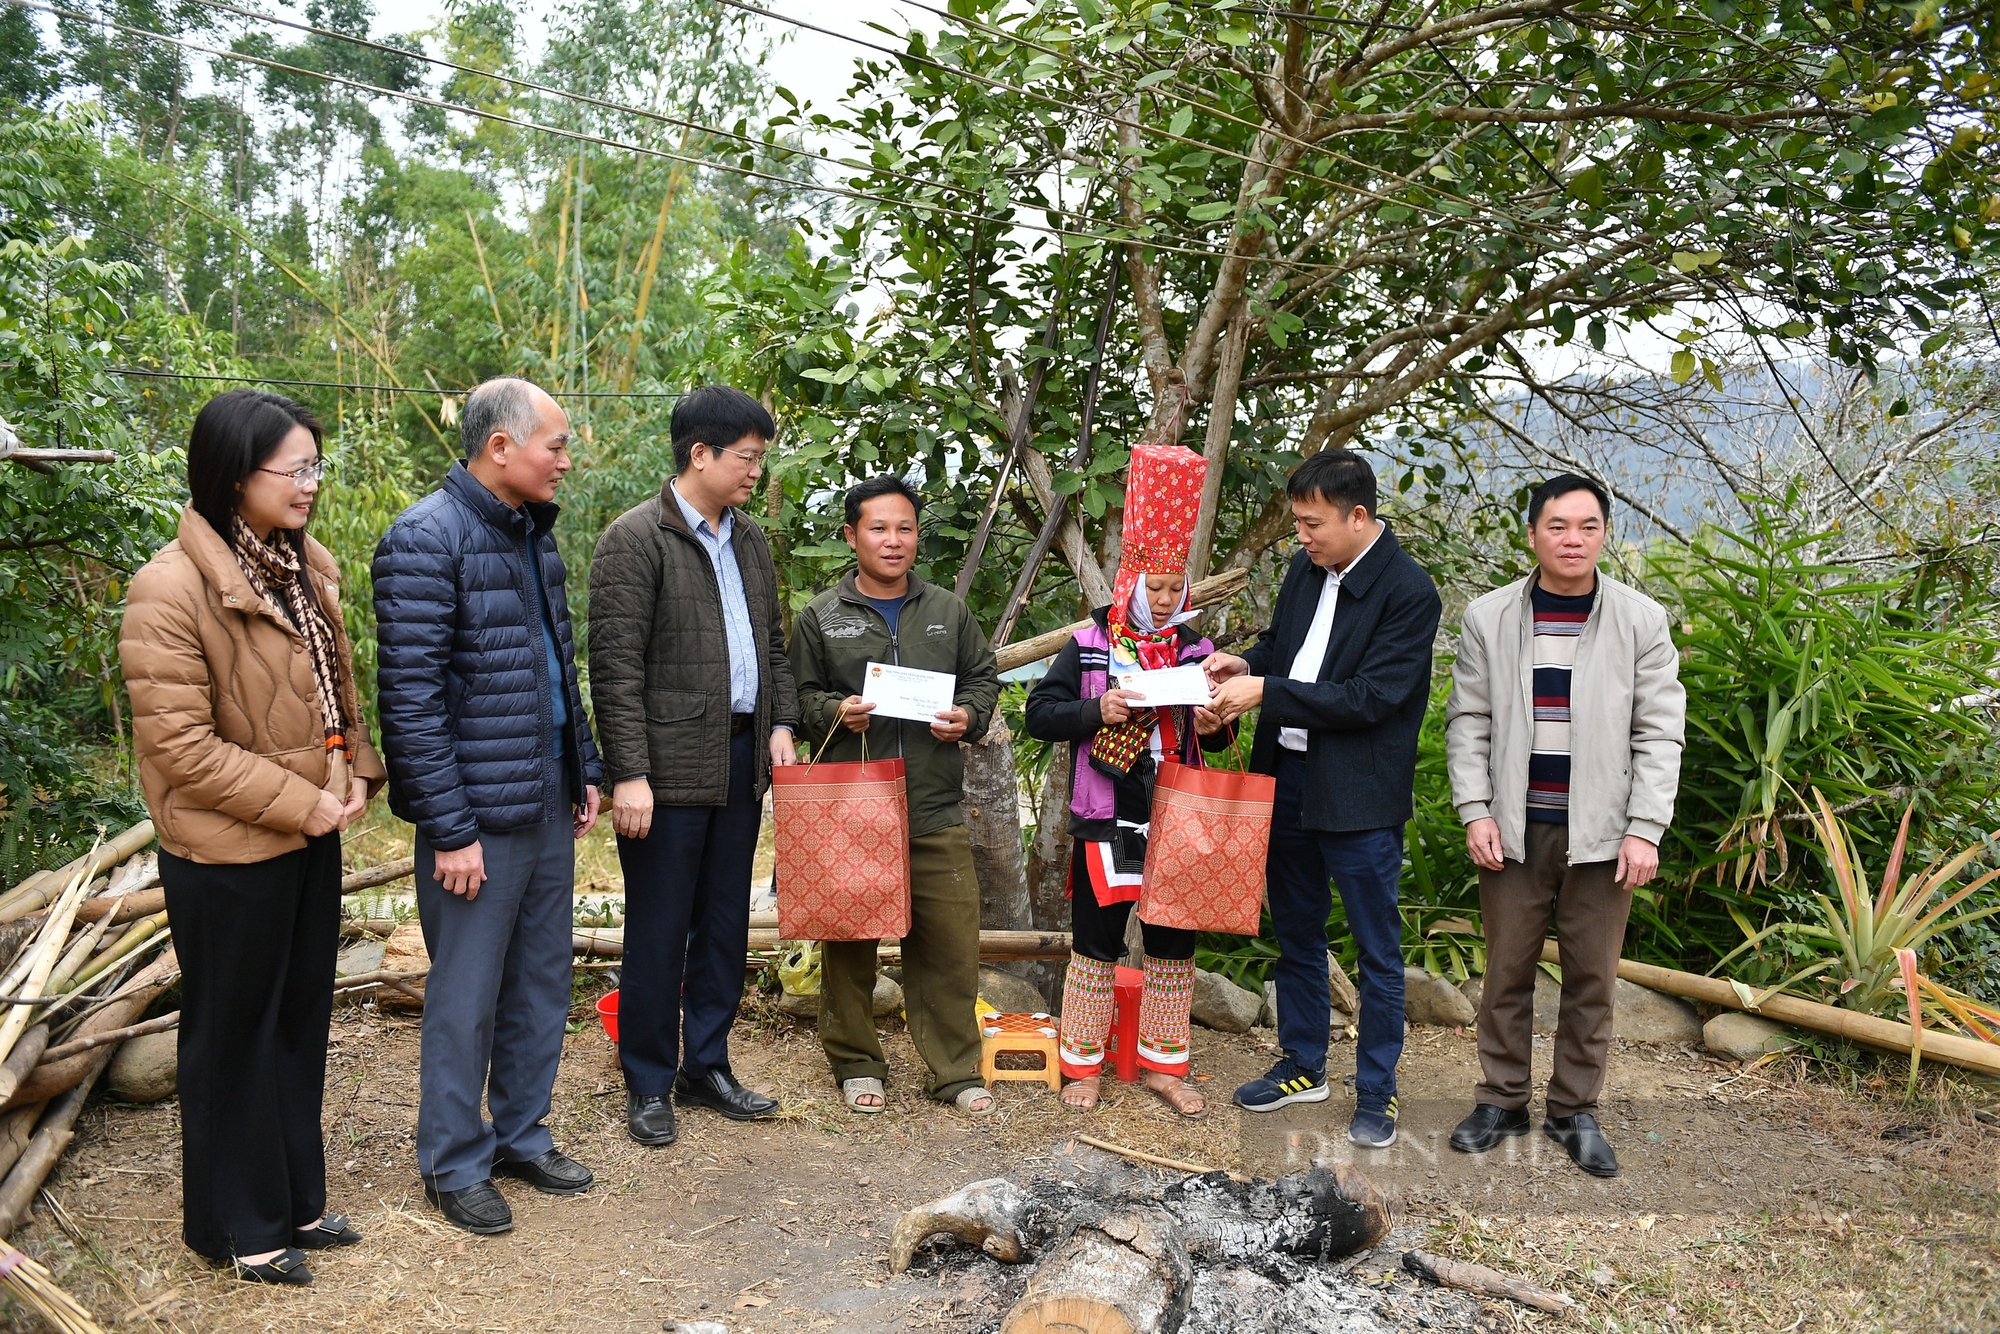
pixel 81 948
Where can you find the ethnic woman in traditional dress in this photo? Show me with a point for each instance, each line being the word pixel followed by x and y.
pixel 1117 748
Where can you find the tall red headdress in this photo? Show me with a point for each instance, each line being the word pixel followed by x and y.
pixel 1162 498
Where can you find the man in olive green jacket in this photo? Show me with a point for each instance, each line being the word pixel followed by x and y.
pixel 881 612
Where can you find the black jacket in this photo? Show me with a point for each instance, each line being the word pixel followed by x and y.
pixel 1363 714
pixel 468 727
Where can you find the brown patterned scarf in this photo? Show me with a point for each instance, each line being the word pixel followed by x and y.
pixel 273 572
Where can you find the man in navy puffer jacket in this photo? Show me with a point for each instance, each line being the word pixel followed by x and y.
pixel 490 756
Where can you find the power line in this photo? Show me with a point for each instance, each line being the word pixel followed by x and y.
pixel 581 136
pixel 371 388
pixel 602 104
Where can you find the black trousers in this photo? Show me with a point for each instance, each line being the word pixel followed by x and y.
pixel 1098 932
pixel 687 924
pixel 256 945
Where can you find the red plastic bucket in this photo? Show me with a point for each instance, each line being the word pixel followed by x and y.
pixel 607 1014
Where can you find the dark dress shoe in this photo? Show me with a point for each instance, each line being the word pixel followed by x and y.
pixel 1487 1126
pixel 1584 1142
pixel 649 1118
pixel 718 1089
pixel 330 1231
pixel 287 1267
pixel 478 1208
pixel 554 1173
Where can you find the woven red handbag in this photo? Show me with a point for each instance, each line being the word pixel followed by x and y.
pixel 1205 855
pixel 843 843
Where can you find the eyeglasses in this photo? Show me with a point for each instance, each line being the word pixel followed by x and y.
pixel 301 477
pixel 754 460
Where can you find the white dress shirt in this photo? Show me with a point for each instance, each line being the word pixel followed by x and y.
pixel 1312 653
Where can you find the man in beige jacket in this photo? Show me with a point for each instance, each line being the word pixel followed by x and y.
pixel 1564 736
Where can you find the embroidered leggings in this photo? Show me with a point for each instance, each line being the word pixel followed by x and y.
pixel 1088 1002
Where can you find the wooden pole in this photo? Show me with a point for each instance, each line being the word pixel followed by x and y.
pixel 386 874
pixel 1216 588
pixel 1882 1034
pixel 35 891
pixel 1019 432
pixel 52 1136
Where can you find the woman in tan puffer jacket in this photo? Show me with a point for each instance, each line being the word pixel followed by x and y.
pixel 253 757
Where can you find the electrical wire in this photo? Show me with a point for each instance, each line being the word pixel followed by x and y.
pixel 370 388
pixel 604 141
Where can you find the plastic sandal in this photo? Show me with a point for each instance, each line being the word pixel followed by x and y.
pixel 851 1089
pixel 966 1097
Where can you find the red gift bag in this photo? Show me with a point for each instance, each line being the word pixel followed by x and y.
pixel 843 836
pixel 1205 854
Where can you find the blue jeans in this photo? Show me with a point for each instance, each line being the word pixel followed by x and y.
pixel 1366 866
pixel 495 1003
pixel 687 925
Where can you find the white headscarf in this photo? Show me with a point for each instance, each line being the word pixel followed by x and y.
pixel 1140 614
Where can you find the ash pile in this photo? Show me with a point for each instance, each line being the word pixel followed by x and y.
pixel 1096 1244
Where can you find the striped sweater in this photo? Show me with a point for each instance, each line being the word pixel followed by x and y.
pixel 1559 625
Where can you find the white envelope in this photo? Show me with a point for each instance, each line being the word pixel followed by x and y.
pixel 907 692
pixel 1165 686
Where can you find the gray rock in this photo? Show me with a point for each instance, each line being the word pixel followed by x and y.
pixel 1008 993
pixel 1641 1014
pixel 1222 1005
pixel 1268 1016
pixel 803 1008
pixel 888 997
pixel 1548 998
pixel 363 956
pixel 146 1068
pixel 1428 999
pixel 1744 1037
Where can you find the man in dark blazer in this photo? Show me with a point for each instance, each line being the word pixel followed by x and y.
pixel 1342 676
pixel 695 705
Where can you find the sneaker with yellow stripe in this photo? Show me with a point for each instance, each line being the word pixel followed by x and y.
pixel 1374 1124
pixel 1287 1083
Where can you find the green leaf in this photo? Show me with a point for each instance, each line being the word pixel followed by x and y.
pixel 1233 36
pixel 1935 341
pixel 1212 210
pixel 1683 366
pixel 1588 186
pixel 1157 76
pixel 1182 119
pixel 1890 121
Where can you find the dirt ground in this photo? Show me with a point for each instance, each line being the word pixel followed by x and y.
pixel 1749 1201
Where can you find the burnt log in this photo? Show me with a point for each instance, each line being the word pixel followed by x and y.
pixel 1128 1274
pixel 995 1215
pixel 1323 1214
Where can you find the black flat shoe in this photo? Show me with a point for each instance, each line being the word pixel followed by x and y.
pixel 329 1232
pixel 1584 1143
pixel 286 1267
pixel 718 1089
pixel 1487 1126
pixel 649 1119
pixel 554 1173
pixel 479 1209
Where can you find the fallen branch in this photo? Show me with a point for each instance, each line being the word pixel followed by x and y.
pixel 27 1053
pixel 1135 1154
pixel 77 1046
pixel 394 981
pixel 123 907
pixel 386 874
pixel 52 1136
pixel 35 892
pixel 1484 1282
pixel 1882 1034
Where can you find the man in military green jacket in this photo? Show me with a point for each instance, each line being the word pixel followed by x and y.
pixel 881 612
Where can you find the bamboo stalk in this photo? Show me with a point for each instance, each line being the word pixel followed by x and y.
pixel 77 1046
pixel 33 1286
pixel 35 892
pixel 48 949
pixel 1216 588
pixel 125 907
pixel 145 929
pixel 17 1128
pixel 82 946
pixel 51 1078
pixel 52 1136
pixel 1137 1156
pixel 1882 1034
pixel 27 1053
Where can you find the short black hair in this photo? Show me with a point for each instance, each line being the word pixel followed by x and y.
pixel 876 487
pixel 233 434
pixel 717 416
pixel 1338 477
pixel 1561 485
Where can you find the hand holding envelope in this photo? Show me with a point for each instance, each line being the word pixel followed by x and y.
pixel 916 695
pixel 1166 687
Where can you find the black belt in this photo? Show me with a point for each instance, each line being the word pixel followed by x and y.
pixel 741 722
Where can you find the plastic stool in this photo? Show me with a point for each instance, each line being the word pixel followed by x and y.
pixel 1019 1033
pixel 1123 1046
